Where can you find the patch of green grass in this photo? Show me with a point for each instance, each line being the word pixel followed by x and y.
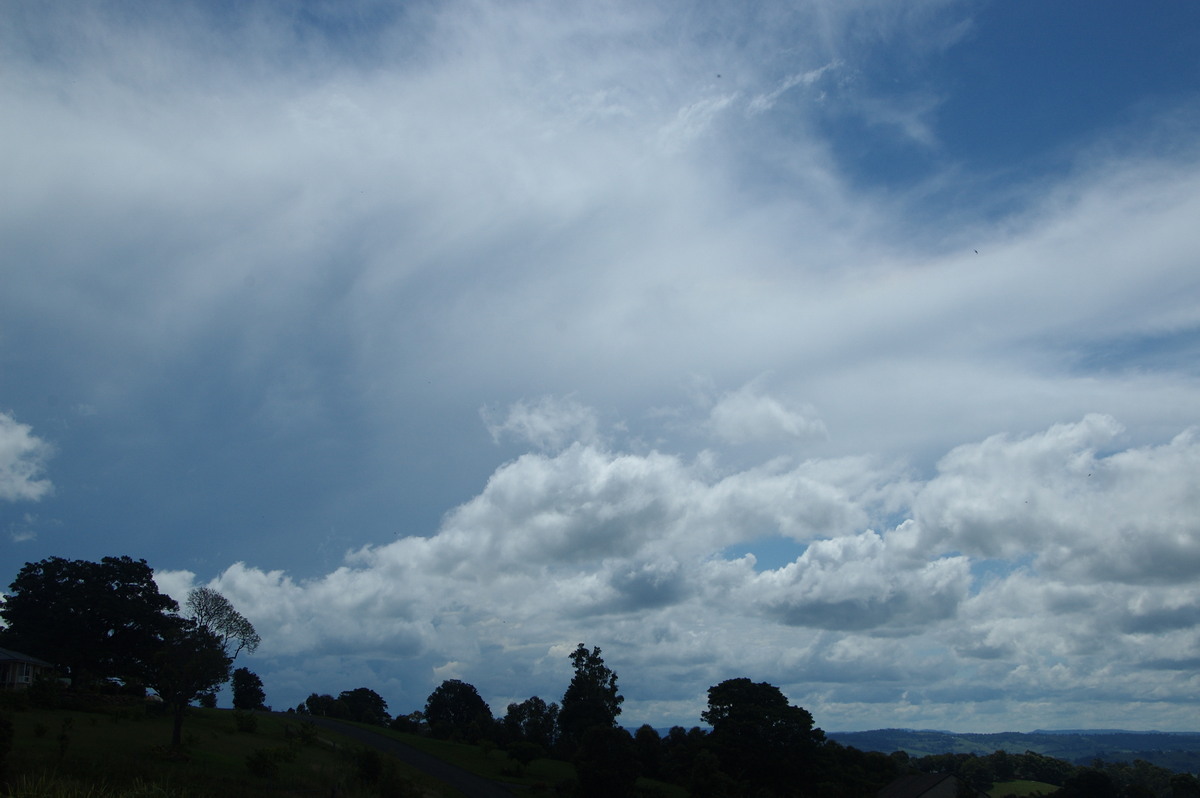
pixel 493 763
pixel 1020 789
pixel 487 761
pixel 126 753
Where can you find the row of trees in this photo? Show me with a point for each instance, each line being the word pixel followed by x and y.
pixel 107 622
pixel 759 744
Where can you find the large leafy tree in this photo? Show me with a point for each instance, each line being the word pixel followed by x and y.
pixel 591 698
pixel 366 706
pixel 94 620
pixel 606 763
pixel 326 706
pixel 533 721
pixel 454 709
pixel 760 738
pixel 188 661
pixel 247 690
pixel 214 612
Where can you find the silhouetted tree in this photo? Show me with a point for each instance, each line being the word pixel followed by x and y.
pixel 605 763
pixel 412 723
pixel 326 706
pixel 591 698
pixel 455 710
pixel 247 690
pixel 681 747
pixel 760 739
pixel 366 706
pixel 214 612
pixel 649 747
pixel 524 753
pixel 845 770
pixel 188 661
pixel 1088 783
pixel 533 721
pixel 707 780
pixel 1185 785
pixel 96 620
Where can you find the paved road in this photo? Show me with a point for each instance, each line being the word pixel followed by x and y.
pixel 462 780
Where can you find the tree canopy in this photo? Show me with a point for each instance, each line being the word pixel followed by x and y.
pixel 247 690
pixel 533 721
pixel 759 737
pixel 214 612
pixel 591 698
pixel 365 706
pixel 455 709
pixel 94 620
pixel 188 661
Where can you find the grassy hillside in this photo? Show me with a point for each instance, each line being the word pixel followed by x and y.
pixel 124 751
pixel 1021 789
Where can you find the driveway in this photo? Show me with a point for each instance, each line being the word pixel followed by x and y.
pixel 464 781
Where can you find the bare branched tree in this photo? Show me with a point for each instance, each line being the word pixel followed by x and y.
pixel 215 613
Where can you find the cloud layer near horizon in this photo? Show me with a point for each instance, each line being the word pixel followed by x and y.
pixel 1038 565
pixel 784 368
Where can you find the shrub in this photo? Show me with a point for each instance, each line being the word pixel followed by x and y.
pixel 246 721
pixel 44 692
pixel 369 765
pixel 305 732
pixel 6 740
pixel 262 763
pixel 524 753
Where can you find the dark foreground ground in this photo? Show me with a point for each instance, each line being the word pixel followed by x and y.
pixel 462 780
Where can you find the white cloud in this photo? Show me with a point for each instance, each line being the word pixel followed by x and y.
pixel 628 551
pixel 23 458
pixel 361 245
pixel 764 102
pixel 863 582
pixel 751 415
pixel 1128 516
pixel 549 423
pixel 176 584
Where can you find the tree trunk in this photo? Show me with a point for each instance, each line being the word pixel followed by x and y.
pixel 177 726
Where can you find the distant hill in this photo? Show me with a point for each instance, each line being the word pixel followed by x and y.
pixel 1178 751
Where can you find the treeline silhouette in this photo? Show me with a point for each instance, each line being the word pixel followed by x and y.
pixel 107 626
pixel 772 750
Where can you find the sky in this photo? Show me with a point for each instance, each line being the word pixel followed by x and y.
pixel 849 346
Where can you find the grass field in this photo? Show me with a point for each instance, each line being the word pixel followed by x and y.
pixel 541 775
pixel 122 752
pixel 1021 789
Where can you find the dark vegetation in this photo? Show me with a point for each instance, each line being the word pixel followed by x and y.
pixel 104 745
pixel 112 635
pixel 1174 751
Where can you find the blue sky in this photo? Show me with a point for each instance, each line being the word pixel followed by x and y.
pixel 848 346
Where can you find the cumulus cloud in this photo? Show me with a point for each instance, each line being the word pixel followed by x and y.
pixel 631 551
pixel 752 415
pixel 1126 516
pixel 23 458
pixel 863 581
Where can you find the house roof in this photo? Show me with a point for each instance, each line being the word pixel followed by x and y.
pixel 913 786
pixel 7 655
